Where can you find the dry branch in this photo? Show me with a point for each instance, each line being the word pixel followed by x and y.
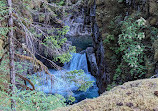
pixel 25 79
pixel 36 61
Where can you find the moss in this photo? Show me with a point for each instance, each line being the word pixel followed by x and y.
pixel 153 7
pixel 131 96
pixel 156 50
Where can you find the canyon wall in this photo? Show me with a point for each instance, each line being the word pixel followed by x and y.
pixel 102 14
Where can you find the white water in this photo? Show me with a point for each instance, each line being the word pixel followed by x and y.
pixel 79 61
pixel 65 88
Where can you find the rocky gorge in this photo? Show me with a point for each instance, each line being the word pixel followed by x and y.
pixel 112 43
pixel 96 20
pixel 102 14
pixel 93 19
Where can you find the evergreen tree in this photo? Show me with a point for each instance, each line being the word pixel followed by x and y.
pixel 11 54
pixel 23 34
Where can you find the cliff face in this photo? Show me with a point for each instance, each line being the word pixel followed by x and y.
pixel 140 95
pixel 107 12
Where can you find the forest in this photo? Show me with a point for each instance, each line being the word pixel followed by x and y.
pixel 78 55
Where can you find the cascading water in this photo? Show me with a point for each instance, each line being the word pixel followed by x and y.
pixel 65 88
pixel 78 62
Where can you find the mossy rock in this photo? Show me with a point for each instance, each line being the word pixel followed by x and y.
pixel 99 2
pixel 140 95
pixel 153 7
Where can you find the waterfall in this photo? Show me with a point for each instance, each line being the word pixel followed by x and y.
pixel 62 86
pixel 79 61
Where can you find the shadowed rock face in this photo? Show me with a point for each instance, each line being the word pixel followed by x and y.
pixel 156 50
pixel 102 77
pixel 91 59
pixel 102 12
pixel 81 42
pixel 140 95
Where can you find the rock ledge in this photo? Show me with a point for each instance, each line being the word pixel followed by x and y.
pixel 137 95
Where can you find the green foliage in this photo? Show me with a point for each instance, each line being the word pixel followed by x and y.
pixel 109 38
pixel 57 41
pixel 35 100
pixel 61 2
pixel 3 31
pixel 25 100
pixel 131 45
pixel 110 86
pixel 66 57
pixel 120 1
pixel 153 33
pixel 31 101
pixel 3 14
pixel 71 99
pixel 4 69
pixel 3 9
pixel 22 67
pixel 78 77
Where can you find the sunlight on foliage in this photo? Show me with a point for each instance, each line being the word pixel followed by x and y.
pixel 78 77
pixel 31 101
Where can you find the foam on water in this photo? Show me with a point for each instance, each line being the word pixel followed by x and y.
pixel 62 86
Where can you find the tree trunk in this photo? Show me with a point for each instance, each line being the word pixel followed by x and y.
pixel 11 55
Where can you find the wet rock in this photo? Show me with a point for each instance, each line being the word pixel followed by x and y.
pixel 76 22
pixel 156 93
pixel 92 61
pixel 82 52
pixel 103 78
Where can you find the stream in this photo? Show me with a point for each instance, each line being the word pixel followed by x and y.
pixel 62 86
pixel 80 36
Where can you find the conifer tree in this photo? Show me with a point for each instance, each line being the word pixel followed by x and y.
pixel 11 54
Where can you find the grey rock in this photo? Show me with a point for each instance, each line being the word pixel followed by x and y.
pixel 92 61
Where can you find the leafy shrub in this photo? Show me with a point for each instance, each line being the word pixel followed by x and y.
pixel 31 101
